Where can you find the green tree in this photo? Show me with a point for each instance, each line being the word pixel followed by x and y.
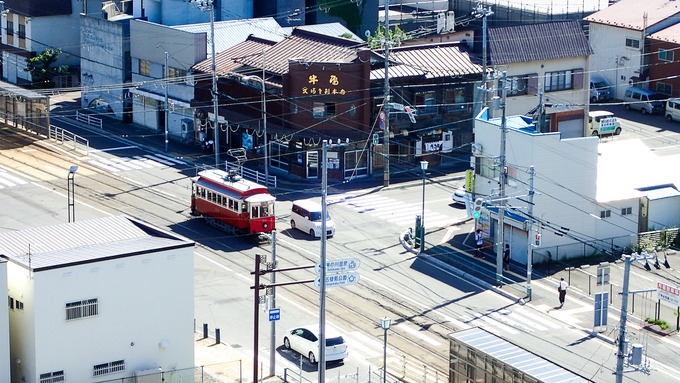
pixel 396 36
pixel 41 69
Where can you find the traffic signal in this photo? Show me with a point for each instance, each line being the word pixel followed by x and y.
pixel 538 239
pixel 477 209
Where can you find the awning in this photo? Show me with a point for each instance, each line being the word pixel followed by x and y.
pixel 159 97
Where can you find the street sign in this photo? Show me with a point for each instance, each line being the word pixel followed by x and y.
pixel 341 279
pixel 382 124
pixel 603 273
pixel 668 294
pixel 382 116
pixel 601 306
pixel 339 266
pixel 274 314
pixel 469 205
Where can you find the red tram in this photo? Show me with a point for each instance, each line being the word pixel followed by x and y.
pixel 230 202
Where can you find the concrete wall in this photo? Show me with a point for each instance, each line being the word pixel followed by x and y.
pixel 22 337
pixel 4 327
pixel 103 63
pixel 145 317
pixel 663 213
pixel 181 12
pixel 42 32
pixel 612 59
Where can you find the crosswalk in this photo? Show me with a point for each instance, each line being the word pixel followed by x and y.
pixel 148 161
pixel 513 322
pixel 8 179
pixel 391 210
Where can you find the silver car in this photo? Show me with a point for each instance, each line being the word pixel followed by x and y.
pixel 305 340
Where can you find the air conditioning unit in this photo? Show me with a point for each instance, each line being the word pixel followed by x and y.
pixel 187 130
pixel 477 149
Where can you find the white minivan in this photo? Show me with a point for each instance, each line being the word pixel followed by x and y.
pixel 306 216
pixel 602 122
pixel 673 109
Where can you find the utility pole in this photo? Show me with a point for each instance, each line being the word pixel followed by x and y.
pixel 484 13
pixel 501 187
pixel 166 99
pixel 322 287
pixel 272 333
pixel 621 353
pixel 264 123
pixel 530 230
pixel 386 101
pixel 214 84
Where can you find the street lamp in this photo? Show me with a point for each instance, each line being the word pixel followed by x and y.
pixel 70 192
pixel 385 324
pixel 423 167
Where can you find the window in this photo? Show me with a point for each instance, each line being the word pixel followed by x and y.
pixel 665 55
pixel 144 67
pixel 666 89
pixel 487 167
pixel 605 213
pixel 425 102
pixel 19 305
pixel 321 110
pixel 627 211
pixel 517 85
pixel 560 80
pixel 633 43
pixel 10 301
pixel 10 28
pixel 175 72
pixel 52 377
pixel 108 368
pixel 82 309
pixel 22 32
pixel 454 99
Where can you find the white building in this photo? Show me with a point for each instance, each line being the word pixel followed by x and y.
pixel 618 36
pixel 98 300
pixel 567 210
pixel 4 325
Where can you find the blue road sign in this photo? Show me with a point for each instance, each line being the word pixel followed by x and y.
pixel 274 314
pixel 340 279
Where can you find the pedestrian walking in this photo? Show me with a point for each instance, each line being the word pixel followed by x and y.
pixel 479 241
pixel 562 290
pixel 506 257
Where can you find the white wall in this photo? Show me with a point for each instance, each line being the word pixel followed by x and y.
pixel 21 325
pixel 612 59
pixel 663 213
pixel 4 327
pixel 145 316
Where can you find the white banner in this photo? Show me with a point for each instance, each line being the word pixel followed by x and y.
pixel 668 294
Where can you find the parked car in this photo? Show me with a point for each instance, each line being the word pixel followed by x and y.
pixel 305 341
pixel 646 101
pixel 600 90
pixel 459 195
pixel 602 122
pixel 673 109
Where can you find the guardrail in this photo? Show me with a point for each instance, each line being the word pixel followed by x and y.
pixel 89 119
pixel 294 376
pixel 250 174
pixel 65 137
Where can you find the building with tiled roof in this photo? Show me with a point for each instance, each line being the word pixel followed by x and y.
pixel 619 37
pixel 546 66
pixel 664 61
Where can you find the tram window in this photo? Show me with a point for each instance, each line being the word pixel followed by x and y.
pixel 209 196
pixel 265 211
pixel 203 193
pixel 232 204
pixel 224 201
pixel 254 212
pixel 219 199
pixel 244 208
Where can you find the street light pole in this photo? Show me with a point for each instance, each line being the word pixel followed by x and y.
pixel 423 167
pixel 166 99
pixel 214 84
pixel 71 193
pixel 385 324
pixel 264 123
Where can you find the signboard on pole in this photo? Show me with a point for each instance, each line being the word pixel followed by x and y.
pixel 341 279
pixel 339 266
pixel 601 306
pixel 668 294
pixel 274 314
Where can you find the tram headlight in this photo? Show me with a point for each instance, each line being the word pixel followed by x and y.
pixel 265 225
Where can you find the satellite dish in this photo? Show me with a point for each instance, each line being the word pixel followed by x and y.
pixel 367 33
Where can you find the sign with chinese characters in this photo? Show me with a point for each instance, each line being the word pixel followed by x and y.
pixel 323 84
pixel 339 266
pixel 340 279
pixel 668 294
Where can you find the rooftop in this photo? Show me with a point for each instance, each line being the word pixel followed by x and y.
pixel 67 244
pixel 629 13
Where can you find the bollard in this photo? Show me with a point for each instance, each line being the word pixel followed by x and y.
pixel 217 336
pixel 205 330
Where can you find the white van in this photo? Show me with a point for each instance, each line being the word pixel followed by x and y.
pixel 600 90
pixel 602 122
pixel 673 109
pixel 646 101
pixel 306 216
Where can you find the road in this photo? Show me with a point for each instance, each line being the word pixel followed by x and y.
pixel 425 301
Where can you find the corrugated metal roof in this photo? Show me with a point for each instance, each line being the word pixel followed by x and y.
pixel 670 34
pixel 231 32
pixel 441 60
pixel 330 29
pixel 661 193
pixel 532 42
pixel 515 356
pixel 397 71
pixel 306 46
pixel 85 241
pixel 224 61
pixel 629 13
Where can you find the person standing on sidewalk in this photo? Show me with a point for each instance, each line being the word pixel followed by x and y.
pixel 506 257
pixel 562 290
pixel 479 241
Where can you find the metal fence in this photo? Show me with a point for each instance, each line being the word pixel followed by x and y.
pixel 89 119
pixel 214 373
pixel 65 137
pixel 249 174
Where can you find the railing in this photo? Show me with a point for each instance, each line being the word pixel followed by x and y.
pixel 89 119
pixel 290 375
pixel 64 137
pixel 213 373
pixel 250 174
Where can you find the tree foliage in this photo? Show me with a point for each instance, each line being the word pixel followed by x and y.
pixel 42 69
pixel 396 36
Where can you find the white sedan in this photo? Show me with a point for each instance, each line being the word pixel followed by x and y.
pixel 459 195
pixel 305 340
